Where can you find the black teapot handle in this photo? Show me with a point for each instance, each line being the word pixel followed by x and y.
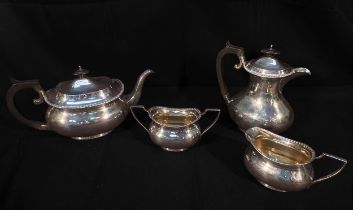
pixel 344 161
pixel 228 49
pixel 10 95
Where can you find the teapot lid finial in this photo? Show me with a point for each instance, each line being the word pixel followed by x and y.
pixel 271 51
pixel 81 72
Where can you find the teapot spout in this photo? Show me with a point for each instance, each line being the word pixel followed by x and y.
pixel 296 72
pixel 133 97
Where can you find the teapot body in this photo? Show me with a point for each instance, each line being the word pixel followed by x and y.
pixel 261 104
pixel 86 123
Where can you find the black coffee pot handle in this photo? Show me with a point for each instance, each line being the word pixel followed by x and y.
pixel 228 49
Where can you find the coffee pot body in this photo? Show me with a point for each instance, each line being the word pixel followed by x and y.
pixel 261 103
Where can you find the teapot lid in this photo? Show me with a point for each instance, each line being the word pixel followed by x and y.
pixel 84 91
pixel 268 65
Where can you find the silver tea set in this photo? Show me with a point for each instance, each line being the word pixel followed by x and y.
pixel 91 107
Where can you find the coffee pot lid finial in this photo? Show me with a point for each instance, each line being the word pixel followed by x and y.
pixel 81 72
pixel 269 65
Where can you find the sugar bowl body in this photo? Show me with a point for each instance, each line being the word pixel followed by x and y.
pixel 174 129
pixel 282 164
pixel 261 103
pixel 83 108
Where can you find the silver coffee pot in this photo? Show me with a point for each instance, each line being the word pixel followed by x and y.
pixel 261 103
pixel 82 108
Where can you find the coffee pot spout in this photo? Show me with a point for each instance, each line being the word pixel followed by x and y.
pixel 300 71
pixel 296 72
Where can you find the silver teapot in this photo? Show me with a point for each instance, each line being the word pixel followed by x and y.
pixel 261 103
pixel 83 108
pixel 282 164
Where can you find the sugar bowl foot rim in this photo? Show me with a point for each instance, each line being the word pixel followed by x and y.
pixel 174 150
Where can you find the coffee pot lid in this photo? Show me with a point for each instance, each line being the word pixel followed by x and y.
pixel 268 65
pixel 84 91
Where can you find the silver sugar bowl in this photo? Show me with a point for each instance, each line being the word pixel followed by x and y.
pixel 174 129
pixel 83 108
pixel 261 103
pixel 282 164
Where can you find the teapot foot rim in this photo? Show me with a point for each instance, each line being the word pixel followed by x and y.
pixel 82 138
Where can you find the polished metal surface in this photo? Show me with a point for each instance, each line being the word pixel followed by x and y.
pixel 261 103
pixel 174 129
pixel 268 65
pixel 84 91
pixel 84 108
pixel 280 163
pixel 86 123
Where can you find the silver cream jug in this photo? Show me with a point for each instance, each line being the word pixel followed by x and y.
pixel 261 103
pixel 283 164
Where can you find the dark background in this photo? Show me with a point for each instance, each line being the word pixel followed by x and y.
pixel 47 40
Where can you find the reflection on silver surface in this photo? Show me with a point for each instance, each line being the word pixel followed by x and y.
pixel 174 129
pixel 83 108
pixel 87 122
pixel 261 103
pixel 282 164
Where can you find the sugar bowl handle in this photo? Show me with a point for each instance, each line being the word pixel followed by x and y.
pixel 214 121
pixel 10 95
pixel 333 173
pixel 133 114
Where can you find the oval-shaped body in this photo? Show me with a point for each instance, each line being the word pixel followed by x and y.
pixel 261 104
pixel 173 138
pixel 86 123
pixel 277 176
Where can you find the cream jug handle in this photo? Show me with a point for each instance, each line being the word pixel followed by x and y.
pixel 133 114
pixel 10 95
pixel 214 121
pixel 229 49
pixel 333 173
